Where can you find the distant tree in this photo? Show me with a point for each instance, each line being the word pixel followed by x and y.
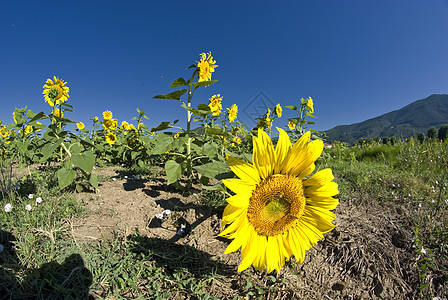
pixel 432 133
pixel 421 137
pixel 443 132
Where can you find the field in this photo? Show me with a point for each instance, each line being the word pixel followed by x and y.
pixel 111 211
pixel 390 240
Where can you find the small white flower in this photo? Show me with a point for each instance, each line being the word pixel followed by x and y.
pixel 38 200
pixel 393 184
pixel 114 179
pixel 126 177
pixel 446 201
pixel 8 207
pixel 437 182
pixel 420 205
pixel 398 185
pixel 28 207
pixel 423 250
pixel 30 196
pixel 94 168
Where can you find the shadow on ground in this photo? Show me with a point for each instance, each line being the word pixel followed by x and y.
pixel 52 280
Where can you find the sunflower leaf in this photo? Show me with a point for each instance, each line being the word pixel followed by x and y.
pixel 173 171
pixel 203 83
pixel 171 96
pixel 178 82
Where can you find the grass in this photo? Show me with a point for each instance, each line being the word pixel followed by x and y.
pixel 42 260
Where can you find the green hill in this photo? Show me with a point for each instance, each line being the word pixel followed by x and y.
pixel 402 123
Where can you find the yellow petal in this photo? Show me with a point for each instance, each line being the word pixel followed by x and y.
pixel 329 189
pixel 243 170
pixel 319 178
pixel 281 151
pixel 230 214
pixel 310 155
pixel 240 240
pixel 296 153
pixel 310 235
pixel 250 251
pixel 239 186
pixel 263 155
pixel 238 200
pixel 232 228
pixel 319 218
pixel 323 202
pixel 296 245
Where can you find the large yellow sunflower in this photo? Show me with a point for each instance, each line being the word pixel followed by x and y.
pixel 277 211
pixel 111 138
pixel 206 67
pixel 51 86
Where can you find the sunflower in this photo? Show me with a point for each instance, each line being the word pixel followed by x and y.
pixel 215 104
pixel 233 111
pixel 291 125
pixel 278 110
pixel 111 138
pixel 28 129
pixel 107 115
pixel 55 91
pixel 110 124
pixel 14 117
pixel 176 136
pixel 80 125
pixel 206 67
pixel 124 125
pixel 277 211
pixel 310 104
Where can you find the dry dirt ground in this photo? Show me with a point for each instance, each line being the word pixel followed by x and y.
pixel 367 256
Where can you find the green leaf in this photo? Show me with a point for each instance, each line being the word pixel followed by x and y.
pixel 162 143
pixel 178 82
pixel 211 170
pixel 23 146
pixel 198 112
pixel 49 149
pixel 84 161
pixel 203 83
pixel 210 150
pixel 171 96
pixel 93 180
pixel 291 107
pixel 173 171
pixel 65 177
pixel 219 132
pixel 162 126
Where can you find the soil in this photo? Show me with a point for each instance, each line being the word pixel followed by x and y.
pixel 367 256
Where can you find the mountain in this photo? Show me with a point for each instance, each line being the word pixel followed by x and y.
pixel 402 123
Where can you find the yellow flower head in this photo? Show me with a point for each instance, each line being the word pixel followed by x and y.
pixel 28 129
pixel 3 132
pixel 80 125
pixel 278 209
pixel 95 119
pixel 107 115
pixel 236 140
pixel 140 126
pixel 291 125
pixel 124 125
pixel 111 138
pixel 215 104
pixel 55 91
pixel 110 124
pixel 233 111
pixel 278 110
pixel 310 104
pixel 176 135
pixel 14 117
pixel 206 67
pixel 58 113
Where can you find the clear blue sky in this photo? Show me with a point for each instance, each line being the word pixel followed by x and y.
pixel 356 59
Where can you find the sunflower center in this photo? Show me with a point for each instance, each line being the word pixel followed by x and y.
pixel 276 203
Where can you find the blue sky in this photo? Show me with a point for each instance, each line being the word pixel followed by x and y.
pixel 356 59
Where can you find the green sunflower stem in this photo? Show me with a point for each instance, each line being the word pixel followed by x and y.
pixel 188 145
